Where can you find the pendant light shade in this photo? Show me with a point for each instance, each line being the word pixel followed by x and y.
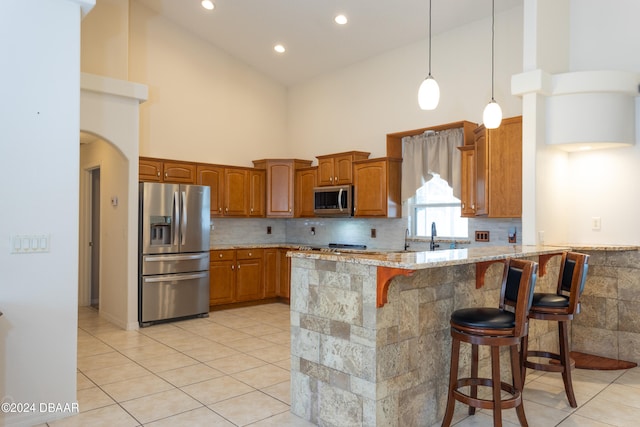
pixel 429 91
pixel 429 94
pixel 492 116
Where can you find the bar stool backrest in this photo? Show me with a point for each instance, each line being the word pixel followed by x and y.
pixel 518 282
pixel 573 275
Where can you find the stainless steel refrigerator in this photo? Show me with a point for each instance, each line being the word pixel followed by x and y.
pixel 173 245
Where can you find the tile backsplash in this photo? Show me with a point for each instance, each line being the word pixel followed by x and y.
pixel 389 232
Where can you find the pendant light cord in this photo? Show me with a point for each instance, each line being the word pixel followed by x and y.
pixel 493 38
pixel 429 38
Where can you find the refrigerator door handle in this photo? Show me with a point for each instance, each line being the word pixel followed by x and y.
pixel 183 226
pixel 186 257
pixel 176 218
pixel 175 277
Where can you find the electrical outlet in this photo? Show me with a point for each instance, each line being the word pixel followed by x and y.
pixel 373 233
pixel 268 229
pixel 482 236
pixel 595 223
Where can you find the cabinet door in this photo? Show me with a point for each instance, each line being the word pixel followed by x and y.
pixel 482 164
pixel 257 193
pixel 285 274
pixel 280 176
pixel 468 185
pixel 149 170
pixel 343 169
pixel 305 181
pixel 504 179
pixel 222 277
pixel 213 176
pixel 370 188
pixel 183 173
pixel 325 171
pixel 249 275
pixel 236 192
pixel 271 272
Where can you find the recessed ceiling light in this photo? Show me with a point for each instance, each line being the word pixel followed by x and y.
pixel 340 19
pixel 279 48
pixel 208 4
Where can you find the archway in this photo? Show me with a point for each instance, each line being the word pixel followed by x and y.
pixel 109 110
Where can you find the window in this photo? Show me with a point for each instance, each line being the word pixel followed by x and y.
pixel 434 202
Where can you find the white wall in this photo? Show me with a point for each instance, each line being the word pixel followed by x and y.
pixel 354 108
pixel 39 105
pixel 203 104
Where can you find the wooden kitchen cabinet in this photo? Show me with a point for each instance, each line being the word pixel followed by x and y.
pixel 271 259
pixel 257 193
pixel 235 191
pixel 280 185
pixel 235 276
pixel 213 176
pixel 377 187
pixel 284 282
pixel 498 156
pixel 306 179
pixel 160 170
pixel 468 185
pixel 249 275
pixel 222 276
pixel 337 169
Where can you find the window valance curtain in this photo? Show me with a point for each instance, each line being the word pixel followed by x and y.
pixel 429 153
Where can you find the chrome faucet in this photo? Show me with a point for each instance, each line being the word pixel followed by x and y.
pixel 433 245
pixel 406 239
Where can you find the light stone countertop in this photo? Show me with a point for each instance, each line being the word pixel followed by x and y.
pixel 431 259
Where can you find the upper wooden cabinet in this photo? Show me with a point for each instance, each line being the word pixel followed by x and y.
pixel 159 170
pixel 468 186
pixel 337 169
pixel 498 172
pixel 306 179
pixel 235 191
pixel 280 185
pixel 377 187
pixel 257 189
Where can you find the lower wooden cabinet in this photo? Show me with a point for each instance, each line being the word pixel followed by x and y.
pixel 222 276
pixel 249 280
pixel 242 275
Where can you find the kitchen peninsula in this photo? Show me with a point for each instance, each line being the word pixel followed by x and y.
pixel 370 332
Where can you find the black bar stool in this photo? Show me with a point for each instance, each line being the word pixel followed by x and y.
pixel 559 307
pixel 494 327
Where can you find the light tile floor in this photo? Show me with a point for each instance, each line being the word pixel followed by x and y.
pixel 232 369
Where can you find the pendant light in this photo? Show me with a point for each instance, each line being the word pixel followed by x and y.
pixel 492 116
pixel 429 91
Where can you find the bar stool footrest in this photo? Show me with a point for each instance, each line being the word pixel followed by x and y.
pixel 476 402
pixel 553 364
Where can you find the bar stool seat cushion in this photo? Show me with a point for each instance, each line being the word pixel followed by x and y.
pixel 550 300
pixel 483 318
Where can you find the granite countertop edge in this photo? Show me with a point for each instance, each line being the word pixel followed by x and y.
pixel 450 257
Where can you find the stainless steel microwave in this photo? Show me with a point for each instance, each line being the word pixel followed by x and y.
pixel 333 201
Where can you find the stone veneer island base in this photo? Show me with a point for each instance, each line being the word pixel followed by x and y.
pixel 358 361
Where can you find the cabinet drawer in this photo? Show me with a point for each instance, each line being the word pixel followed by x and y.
pixel 221 255
pixel 249 253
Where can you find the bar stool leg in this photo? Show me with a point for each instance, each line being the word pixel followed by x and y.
pixel 496 386
pixel 473 392
pixel 524 348
pixel 453 379
pixel 518 382
pixel 565 360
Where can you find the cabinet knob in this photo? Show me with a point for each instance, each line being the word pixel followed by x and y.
pixel 238 266
pixel 251 210
pixel 463 206
pixel 166 174
pixel 220 255
pixel 335 179
pixel 330 179
pixel 220 209
pixel 158 174
pixel 250 254
pixel 226 209
pixel 473 206
pixel 289 210
pixel 233 267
